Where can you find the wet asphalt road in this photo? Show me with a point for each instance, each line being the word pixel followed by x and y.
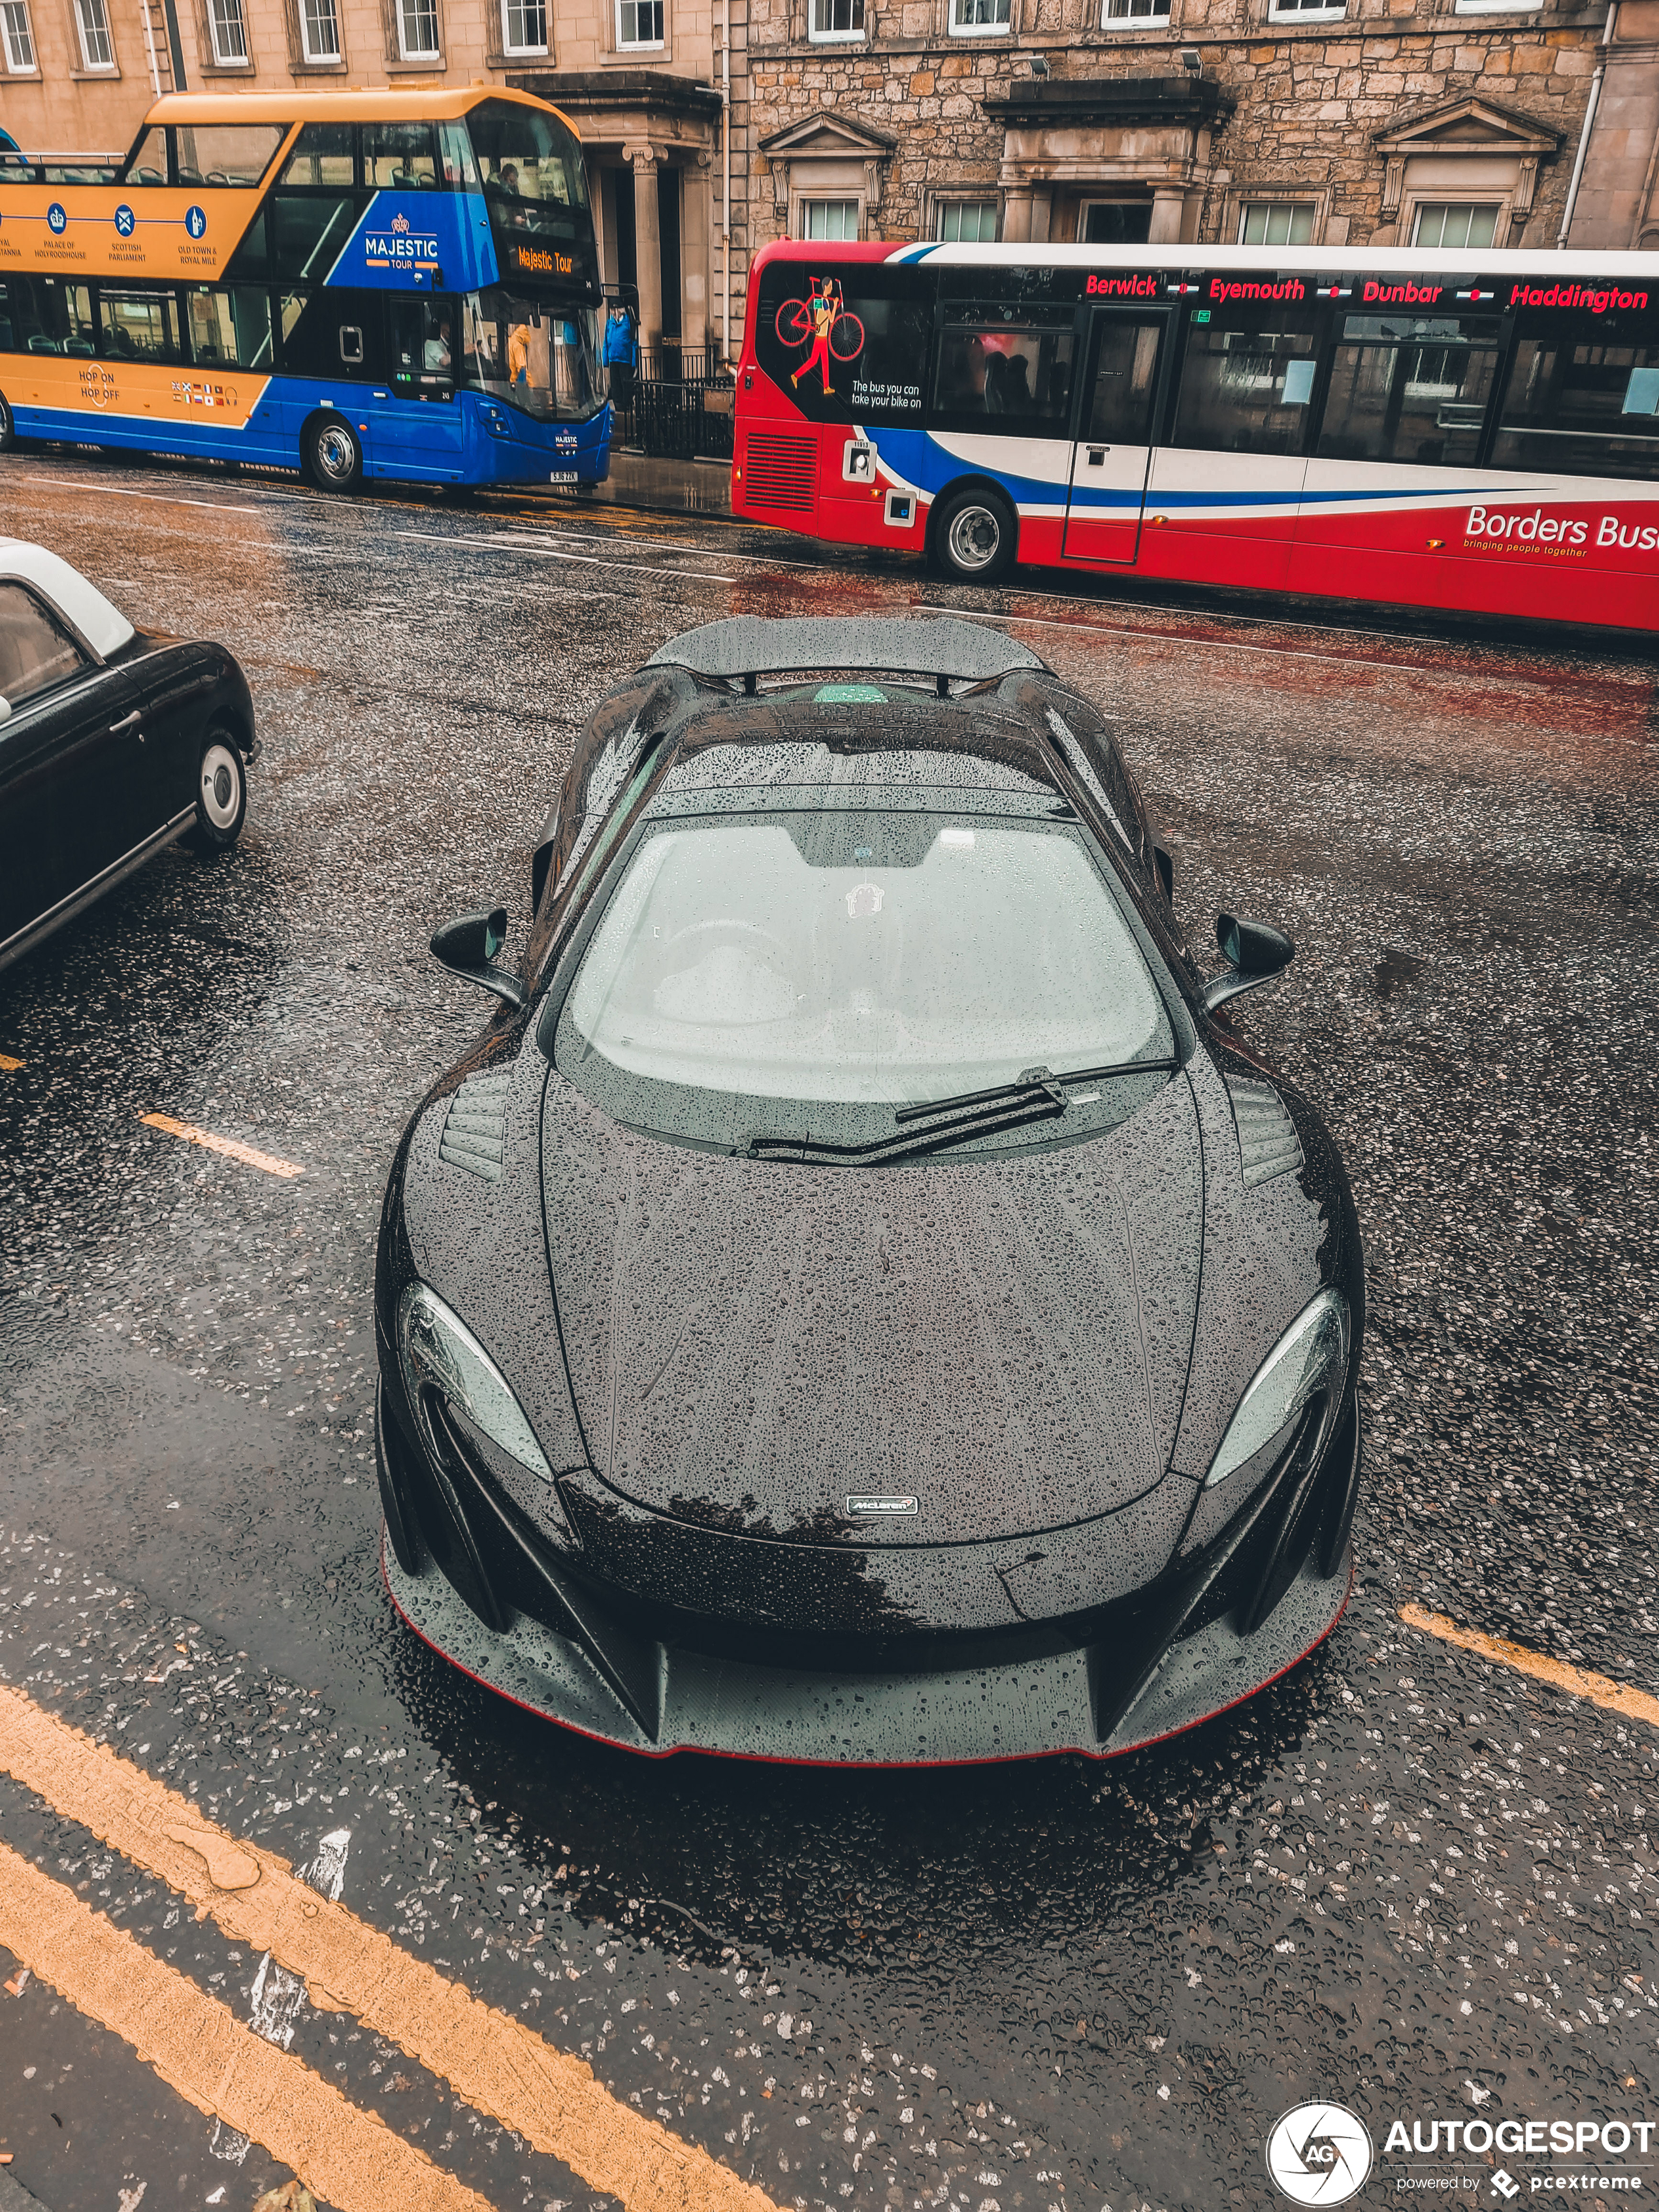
pixel 1403 1877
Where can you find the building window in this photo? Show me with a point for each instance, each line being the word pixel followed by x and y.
pixel 92 21
pixel 19 38
pixel 1275 222
pixel 1132 11
pixel 1454 225
pixel 230 33
pixel 417 29
pixel 319 30
pixel 639 22
pixel 835 19
pixel 1299 11
pixel 830 219
pixel 969 18
pixel 524 27
pixel 968 222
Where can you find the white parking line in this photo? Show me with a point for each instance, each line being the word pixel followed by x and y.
pixel 161 498
pixel 552 553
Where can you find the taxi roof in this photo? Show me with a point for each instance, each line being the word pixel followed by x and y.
pixel 103 627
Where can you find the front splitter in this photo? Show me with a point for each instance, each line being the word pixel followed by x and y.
pixel 1031 1709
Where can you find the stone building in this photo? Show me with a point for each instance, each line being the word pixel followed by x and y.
pixel 643 80
pixel 1385 122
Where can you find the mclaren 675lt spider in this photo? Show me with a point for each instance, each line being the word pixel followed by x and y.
pixel 861 1300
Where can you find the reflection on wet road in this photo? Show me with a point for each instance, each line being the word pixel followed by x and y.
pixel 1409 1876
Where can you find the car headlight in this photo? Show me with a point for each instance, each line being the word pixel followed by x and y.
pixel 1309 1361
pixel 438 1351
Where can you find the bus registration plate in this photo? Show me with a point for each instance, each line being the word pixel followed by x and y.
pixel 562 476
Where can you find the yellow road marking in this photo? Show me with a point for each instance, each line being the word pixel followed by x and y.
pixel 1577 1682
pixel 493 2062
pixel 8 1063
pixel 230 1146
pixel 198 2047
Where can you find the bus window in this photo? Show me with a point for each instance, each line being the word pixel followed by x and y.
pixel 136 327
pixel 1407 388
pixel 531 168
pixel 226 153
pixel 398 157
pixel 461 172
pixel 308 232
pixel 1580 409
pixel 1017 375
pixel 543 361
pixel 1245 389
pixel 228 329
pixel 424 348
pixel 334 334
pixel 147 164
pixel 323 154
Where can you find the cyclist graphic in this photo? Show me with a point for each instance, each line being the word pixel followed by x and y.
pixel 825 310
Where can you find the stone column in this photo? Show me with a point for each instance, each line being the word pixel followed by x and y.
pixel 1017 215
pixel 1168 202
pixel 647 243
pixel 695 194
pixel 1042 207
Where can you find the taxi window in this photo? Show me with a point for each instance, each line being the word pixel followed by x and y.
pixel 36 651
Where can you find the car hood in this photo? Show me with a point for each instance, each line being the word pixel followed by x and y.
pixel 751 1344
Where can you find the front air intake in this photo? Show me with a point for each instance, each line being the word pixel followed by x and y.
pixel 781 472
pixel 475 1127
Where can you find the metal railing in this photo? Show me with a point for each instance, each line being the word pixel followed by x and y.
pixel 679 404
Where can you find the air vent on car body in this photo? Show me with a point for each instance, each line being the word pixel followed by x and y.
pixel 780 471
pixel 1267 1141
pixel 476 1125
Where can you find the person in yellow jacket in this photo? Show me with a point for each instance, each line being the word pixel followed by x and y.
pixel 517 353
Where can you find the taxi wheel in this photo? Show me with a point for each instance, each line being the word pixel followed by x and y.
pixel 975 534
pixel 220 794
pixel 333 455
pixel 8 427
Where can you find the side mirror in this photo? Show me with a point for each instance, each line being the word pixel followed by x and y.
pixel 1255 952
pixel 467 946
pixel 5 710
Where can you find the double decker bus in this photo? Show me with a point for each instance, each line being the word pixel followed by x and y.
pixel 1425 428
pixel 397 284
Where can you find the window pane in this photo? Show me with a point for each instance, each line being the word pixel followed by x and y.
pixel 837 19
pixel 36 651
pixel 228 329
pixel 417 25
pixel 148 163
pixel 1275 222
pixel 322 30
pixel 136 327
pixel 1126 376
pixel 1135 11
pixel 1455 226
pixel 455 152
pixel 46 315
pixel 1404 389
pixel 639 22
pixel 95 48
pixel 309 232
pixel 831 219
pixel 978 15
pixel 226 153
pixel 397 155
pixel 1233 396
pixel 20 38
pixel 1117 223
pixel 968 222
pixel 229 32
pixel 322 155
pixel 1021 374
pixel 1581 410
pixel 524 26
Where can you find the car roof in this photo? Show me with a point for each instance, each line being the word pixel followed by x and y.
pixel 82 605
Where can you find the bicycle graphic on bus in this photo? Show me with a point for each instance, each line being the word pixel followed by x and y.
pixel 824 323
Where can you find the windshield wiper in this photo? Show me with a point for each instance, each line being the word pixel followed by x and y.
pixel 1038 1095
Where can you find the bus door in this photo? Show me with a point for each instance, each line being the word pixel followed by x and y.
pixel 1110 460
pixel 422 426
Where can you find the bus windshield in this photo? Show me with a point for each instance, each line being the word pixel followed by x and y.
pixel 530 168
pixel 541 360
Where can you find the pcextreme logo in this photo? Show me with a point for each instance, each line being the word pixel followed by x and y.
pixel 1319 2154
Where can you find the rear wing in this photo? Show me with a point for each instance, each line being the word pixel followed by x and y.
pixel 746 648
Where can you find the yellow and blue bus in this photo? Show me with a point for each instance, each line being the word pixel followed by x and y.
pixel 386 284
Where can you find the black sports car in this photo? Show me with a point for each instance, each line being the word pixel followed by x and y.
pixel 113 742
pixel 860 1300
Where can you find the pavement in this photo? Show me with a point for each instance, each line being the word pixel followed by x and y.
pixel 1411 1877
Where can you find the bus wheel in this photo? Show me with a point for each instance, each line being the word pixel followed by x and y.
pixel 333 454
pixel 8 430
pixel 975 534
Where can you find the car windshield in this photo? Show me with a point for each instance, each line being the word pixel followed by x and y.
pixel 807 968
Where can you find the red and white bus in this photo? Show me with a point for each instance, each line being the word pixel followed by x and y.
pixel 1414 428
